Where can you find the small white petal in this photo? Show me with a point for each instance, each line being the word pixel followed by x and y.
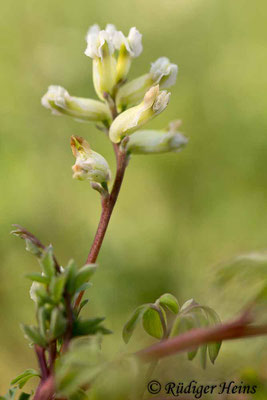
pixel 135 42
pixel 56 94
pixel 96 39
pixel 91 39
pixel 161 102
pixel 163 72
pixel 111 30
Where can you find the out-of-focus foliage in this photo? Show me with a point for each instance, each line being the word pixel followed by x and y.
pixel 177 216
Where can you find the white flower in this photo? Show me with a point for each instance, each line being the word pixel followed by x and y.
pixel 152 141
pixel 100 47
pixel 132 119
pixel 55 99
pixel 96 40
pixel 58 100
pixel 133 43
pixel 89 165
pixel 163 72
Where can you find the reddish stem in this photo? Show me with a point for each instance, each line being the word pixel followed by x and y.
pixel 108 204
pixel 196 337
pixel 40 353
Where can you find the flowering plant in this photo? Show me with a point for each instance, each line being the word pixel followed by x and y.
pixel 68 346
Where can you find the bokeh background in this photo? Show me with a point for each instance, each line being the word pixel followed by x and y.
pixel 178 215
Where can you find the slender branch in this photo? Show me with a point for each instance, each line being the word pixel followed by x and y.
pixel 196 337
pixel 40 353
pixel 25 234
pixel 52 355
pixel 46 390
pixel 108 203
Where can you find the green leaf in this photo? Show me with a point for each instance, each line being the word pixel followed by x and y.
pixel 101 329
pixel 191 322
pixel 82 305
pixel 34 335
pixel 33 248
pixel 48 263
pixel 203 356
pixel 214 349
pixel 37 277
pixel 58 324
pixel 24 396
pixel 23 378
pixel 152 323
pixel 192 354
pixel 182 324
pixel 176 326
pixel 70 271
pixel 84 274
pixel 212 316
pixel 169 302
pixel 42 319
pixel 82 327
pixel 43 297
pixel 57 287
pixel 83 287
pixel 213 319
pixel 131 324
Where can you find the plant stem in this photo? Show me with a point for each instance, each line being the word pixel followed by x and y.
pixel 196 337
pixel 40 353
pixel 108 203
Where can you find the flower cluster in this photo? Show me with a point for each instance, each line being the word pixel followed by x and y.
pixel 123 106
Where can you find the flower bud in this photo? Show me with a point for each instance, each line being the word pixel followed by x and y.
pixel 129 48
pixel 152 141
pixel 162 73
pixel 132 119
pixel 89 165
pixel 100 47
pixel 58 100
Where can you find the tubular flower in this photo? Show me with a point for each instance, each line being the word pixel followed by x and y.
pixel 154 102
pixel 89 165
pixel 129 48
pixel 157 141
pixel 162 73
pixel 58 100
pixel 100 47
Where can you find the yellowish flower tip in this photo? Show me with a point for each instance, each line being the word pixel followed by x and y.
pixel 79 146
pixel 89 165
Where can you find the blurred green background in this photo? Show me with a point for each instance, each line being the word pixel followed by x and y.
pixel 178 215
